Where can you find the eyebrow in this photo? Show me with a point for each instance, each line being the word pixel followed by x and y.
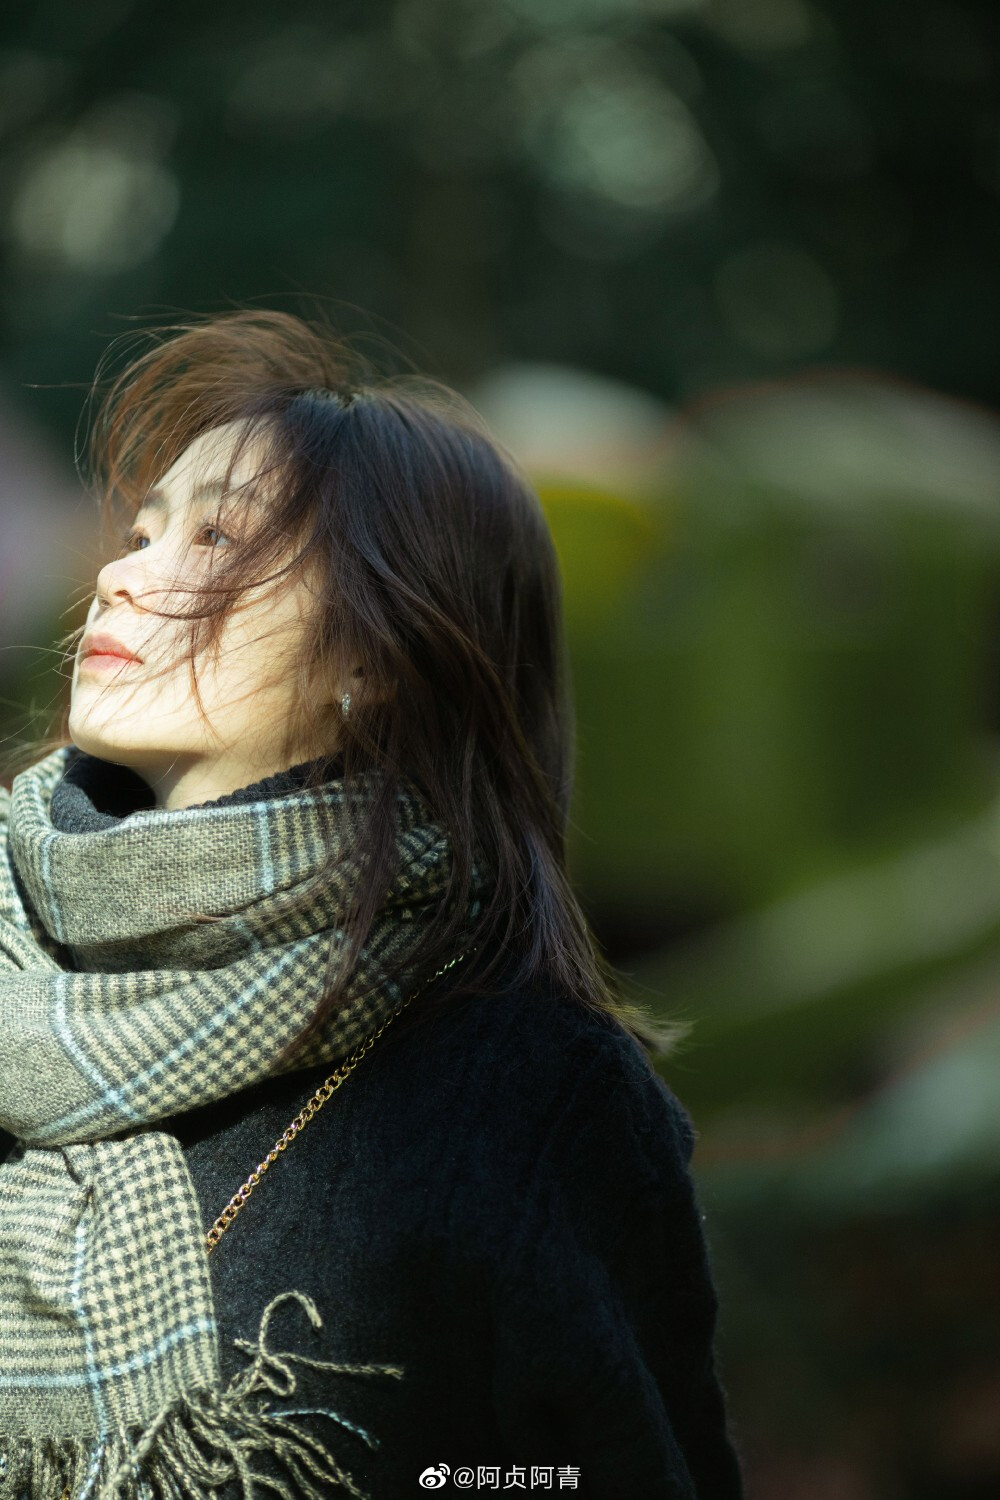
pixel 156 500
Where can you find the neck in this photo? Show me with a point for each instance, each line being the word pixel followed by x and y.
pixel 189 781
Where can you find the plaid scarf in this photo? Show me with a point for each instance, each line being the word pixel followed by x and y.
pixel 118 1008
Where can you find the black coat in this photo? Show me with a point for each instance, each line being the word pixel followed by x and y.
pixel 498 1200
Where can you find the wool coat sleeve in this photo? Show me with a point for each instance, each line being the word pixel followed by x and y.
pixel 605 1311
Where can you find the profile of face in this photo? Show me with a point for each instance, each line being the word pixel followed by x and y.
pixel 142 713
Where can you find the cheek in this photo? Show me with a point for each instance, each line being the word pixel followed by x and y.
pixel 257 652
pixel 266 630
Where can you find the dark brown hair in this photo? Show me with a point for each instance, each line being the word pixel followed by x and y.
pixel 439 575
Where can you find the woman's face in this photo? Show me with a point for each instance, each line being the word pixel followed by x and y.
pixel 143 714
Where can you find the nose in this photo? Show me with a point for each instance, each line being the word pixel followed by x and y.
pixel 114 583
pixel 124 578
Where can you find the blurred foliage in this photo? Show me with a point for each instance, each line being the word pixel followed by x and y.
pixel 782 724
pixel 677 192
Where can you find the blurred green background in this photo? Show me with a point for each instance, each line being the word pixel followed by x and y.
pixel 722 274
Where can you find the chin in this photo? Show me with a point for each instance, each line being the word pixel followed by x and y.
pixel 96 739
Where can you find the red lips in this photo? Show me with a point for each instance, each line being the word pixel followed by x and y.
pixel 105 645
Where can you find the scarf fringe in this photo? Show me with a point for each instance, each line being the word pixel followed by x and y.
pixel 194 1445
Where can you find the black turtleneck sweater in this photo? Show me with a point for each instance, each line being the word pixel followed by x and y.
pixel 500 1201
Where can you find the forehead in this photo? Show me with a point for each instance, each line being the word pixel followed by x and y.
pixel 199 472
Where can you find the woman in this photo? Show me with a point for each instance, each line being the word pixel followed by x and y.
pixel 308 804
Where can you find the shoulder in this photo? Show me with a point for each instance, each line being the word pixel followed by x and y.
pixel 532 1097
pixel 544 1050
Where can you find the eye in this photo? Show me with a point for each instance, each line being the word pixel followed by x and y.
pixel 135 535
pixel 213 530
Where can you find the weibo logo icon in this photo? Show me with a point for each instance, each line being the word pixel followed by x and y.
pixel 435 1477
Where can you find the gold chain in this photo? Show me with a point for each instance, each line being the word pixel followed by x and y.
pixel 310 1108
